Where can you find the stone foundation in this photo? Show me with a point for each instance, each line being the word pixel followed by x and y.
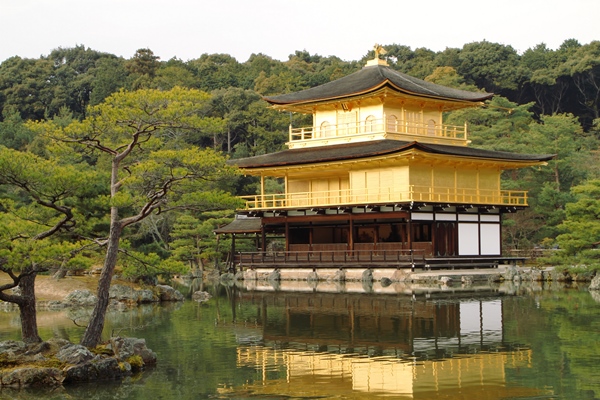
pixel 367 274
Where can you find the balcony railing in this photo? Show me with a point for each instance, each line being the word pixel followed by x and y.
pixel 348 197
pixel 379 126
pixel 349 258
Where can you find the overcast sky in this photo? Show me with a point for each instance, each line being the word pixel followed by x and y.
pixel 348 29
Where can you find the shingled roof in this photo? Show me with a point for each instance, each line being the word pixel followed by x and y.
pixel 350 151
pixel 372 78
pixel 241 225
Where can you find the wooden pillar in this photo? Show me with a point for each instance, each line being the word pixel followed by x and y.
pixel 423 129
pixel 409 233
pixel 287 236
pixel 286 191
pixel 351 233
pixel 262 190
pixel 433 234
pixel 401 228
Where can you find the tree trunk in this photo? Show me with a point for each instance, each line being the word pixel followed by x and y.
pixel 60 273
pixel 27 309
pixel 93 332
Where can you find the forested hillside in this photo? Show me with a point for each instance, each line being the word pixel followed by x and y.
pixel 547 101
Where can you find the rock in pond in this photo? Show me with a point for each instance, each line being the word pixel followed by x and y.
pixel 57 362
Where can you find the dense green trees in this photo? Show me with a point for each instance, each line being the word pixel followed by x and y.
pixel 579 238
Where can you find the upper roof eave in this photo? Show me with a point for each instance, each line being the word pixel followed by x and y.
pixel 374 91
pixel 373 78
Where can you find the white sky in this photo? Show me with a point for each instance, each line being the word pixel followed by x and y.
pixel 348 29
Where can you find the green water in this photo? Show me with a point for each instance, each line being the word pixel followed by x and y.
pixel 527 342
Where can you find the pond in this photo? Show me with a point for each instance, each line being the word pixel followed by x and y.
pixel 498 342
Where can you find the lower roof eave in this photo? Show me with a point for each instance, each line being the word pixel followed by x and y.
pixel 383 208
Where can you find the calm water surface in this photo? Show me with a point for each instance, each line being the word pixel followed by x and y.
pixel 504 342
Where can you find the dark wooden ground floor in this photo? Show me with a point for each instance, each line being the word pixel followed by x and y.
pixel 403 236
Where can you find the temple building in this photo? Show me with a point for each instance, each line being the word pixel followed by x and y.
pixel 379 178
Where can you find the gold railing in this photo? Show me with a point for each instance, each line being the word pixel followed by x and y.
pixel 379 126
pixel 347 197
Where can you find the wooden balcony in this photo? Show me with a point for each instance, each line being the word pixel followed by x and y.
pixel 377 257
pixel 382 196
pixel 378 128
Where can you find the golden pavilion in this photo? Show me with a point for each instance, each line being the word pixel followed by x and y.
pixel 379 179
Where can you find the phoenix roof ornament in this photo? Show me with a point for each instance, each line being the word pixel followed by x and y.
pixel 379 50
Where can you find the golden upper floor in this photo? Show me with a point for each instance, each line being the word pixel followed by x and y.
pixel 387 123
pixel 385 172
pixel 375 103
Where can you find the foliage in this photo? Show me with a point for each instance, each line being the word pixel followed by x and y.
pixel 581 227
pixel 39 200
pixel 139 266
pixel 193 239
pixel 37 225
pixel 13 132
pixel 490 66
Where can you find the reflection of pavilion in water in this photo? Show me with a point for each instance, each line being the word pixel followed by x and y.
pixel 329 344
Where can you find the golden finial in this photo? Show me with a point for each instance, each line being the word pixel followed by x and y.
pixel 376 61
pixel 379 50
